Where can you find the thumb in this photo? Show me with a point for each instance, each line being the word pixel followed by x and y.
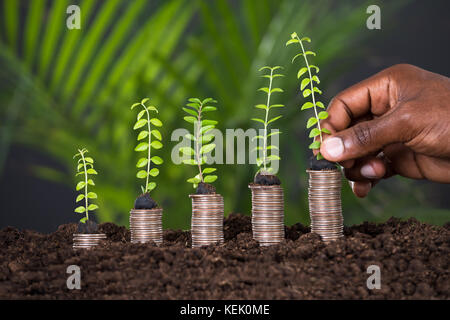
pixel 363 138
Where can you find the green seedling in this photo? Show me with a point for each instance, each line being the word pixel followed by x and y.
pixel 308 86
pixel 85 167
pixel 201 138
pixel 265 158
pixel 145 120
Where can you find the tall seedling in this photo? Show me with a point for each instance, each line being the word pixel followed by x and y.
pixel 265 158
pixel 309 88
pixel 85 167
pixel 144 164
pixel 202 140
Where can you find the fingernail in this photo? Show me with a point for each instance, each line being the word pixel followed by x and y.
pixel 361 189
pixel 368 171
pixel 334 147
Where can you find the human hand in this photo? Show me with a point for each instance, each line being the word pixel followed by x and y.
pixel 395 122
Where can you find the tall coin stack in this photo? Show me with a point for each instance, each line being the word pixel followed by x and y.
pixel 267 214
pixel 146 225
pixel 325 210
pixel 207 219
pixel 87 240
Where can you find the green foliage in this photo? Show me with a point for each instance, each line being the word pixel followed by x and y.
pixel 202 140
pixel 265 158
pixel 85 167
pixel 312 81
pixel 144 119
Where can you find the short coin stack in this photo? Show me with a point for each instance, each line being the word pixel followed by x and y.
pixel 146 225
pixel 324 195
pixel 87 240
pixel 207 219
pixel 267 214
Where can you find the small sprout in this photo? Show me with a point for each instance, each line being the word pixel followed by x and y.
pixel 201 137
pixel 265 159
pixel 308 86
pixel 85 167
pixel 144 164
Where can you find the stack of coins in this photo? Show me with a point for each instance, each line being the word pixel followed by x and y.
pixel 267 214
pixel 87 241
pixel 324 195
pixel 207 219
pixel 146 225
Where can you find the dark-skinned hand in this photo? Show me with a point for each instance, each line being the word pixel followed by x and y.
pixel 395 122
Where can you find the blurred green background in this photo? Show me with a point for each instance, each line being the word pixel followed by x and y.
pixel 64 89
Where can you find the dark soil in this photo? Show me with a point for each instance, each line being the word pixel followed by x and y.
pixel 88 227
pixel 413 257
pixel 267 180
pixel 322 164
pixel 144 201
pixel 205 188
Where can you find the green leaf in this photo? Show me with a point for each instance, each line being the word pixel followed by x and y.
pixel 310 53
pixel 273 133
pixel 207 138
pixel 207 148
pixel 80 209
pixel 320 105
pixel 276 106
pixel 209 122
pixel 142 135
pixel 323 115
pixel 190 162
pixel 208 170
pixel 156 134
pixel 319 156
pixel 141 162
pixel 311 66
pixel 196 100
pixel 194 180
pixel 92 207
pixel 264 68
pixel 156 122
pixel 140 114
pixel 208 100
pixel 193 105
pixel 92 195
pixel 315 145
pixel 89 160
pixel 258 120
pixel 143 101
pixel 156 160
pixel 317 90
pixel 312 121
pixel 80 185
pixel 151 186
pixel 316 79
pixel 152 108
pixel 273 157
pixel 257 137
pixel 210 179
pixel 261 106
pixel 209 108
pixel 206 129
pixel 135 105
pixel 314 133
pixel 190 111
pixel 141 146
pixel 304 83
pixel 91 171
pixel 154 172
pixel 296 56
pixel 265 89
pixel 142 174
pixel 156 144
pixel 140 124
pixel 190 119
pixel 91 182
pixel 274 119
pixel 307 105
pixel 189 136
pixel 187 151
pixel 301 72
pixel 291 41
pixel 80 197
pixel 81 165
pixel 306 93
pixel 325 130
pixel 276 90
pixel 305 39
pixel 83 220
pixel 272 147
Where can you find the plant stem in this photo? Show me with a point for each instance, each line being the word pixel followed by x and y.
pixel 312 88
pixel 149 142
pixel 265 122
pixel 197 137
pixel 85 184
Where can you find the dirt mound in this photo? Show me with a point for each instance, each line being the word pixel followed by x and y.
pixel 413 258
